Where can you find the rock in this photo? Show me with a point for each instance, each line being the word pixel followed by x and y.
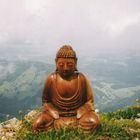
pixel 138 114
pixel 3 138
pixel 137 139
pixel 137 120
pixel 0 126
pixel 97 110
pixel 8 129
pixel 8 134
pixel 31 115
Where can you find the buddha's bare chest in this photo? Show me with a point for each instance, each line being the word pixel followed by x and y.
pixel 67 88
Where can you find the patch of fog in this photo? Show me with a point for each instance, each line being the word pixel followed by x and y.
pixel 24 81
pixel 8 69
pixel 100 60
pixel 138 76
pixel 11 68
pixel 21 58
pixel 121 64
pixel 2 72
pixel 83 63
pixel 1 68
pixel 107 89
pixel 126 92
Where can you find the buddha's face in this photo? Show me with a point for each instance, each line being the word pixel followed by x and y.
pixel 66 66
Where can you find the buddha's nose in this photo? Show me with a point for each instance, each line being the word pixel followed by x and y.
pixel 66 68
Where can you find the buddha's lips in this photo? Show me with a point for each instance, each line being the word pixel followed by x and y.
pixel 65 73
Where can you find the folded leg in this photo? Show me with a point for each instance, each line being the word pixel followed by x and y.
pixel 43 122
pixel 89 122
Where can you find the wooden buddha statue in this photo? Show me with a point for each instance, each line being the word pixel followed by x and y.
pixel 67 95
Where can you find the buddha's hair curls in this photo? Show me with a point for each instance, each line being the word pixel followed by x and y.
pixel 66 51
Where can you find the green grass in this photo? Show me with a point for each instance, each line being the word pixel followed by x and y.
pixel 129 113
pixel 114 126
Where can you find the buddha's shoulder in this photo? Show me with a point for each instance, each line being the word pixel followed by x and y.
pixel 82 76
pixel 51 76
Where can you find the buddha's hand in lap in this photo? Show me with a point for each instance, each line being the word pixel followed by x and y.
pixel 81 111
pixel 54 114
pixel 48 108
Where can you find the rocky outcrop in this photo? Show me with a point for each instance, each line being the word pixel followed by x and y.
pixel 9 128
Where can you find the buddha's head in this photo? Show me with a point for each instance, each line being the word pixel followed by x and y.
pixel 66 61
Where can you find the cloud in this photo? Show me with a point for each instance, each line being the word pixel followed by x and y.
pixel 92 24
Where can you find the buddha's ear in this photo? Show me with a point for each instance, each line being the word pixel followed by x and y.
pixel 56 64
pixel 76 65
pixel 76 69
pixel 56 60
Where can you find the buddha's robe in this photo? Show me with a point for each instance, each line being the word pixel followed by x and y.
pixel 67 99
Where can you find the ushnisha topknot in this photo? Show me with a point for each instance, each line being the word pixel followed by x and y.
pixel 66 51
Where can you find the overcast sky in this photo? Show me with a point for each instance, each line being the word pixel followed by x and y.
pixel 93 24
